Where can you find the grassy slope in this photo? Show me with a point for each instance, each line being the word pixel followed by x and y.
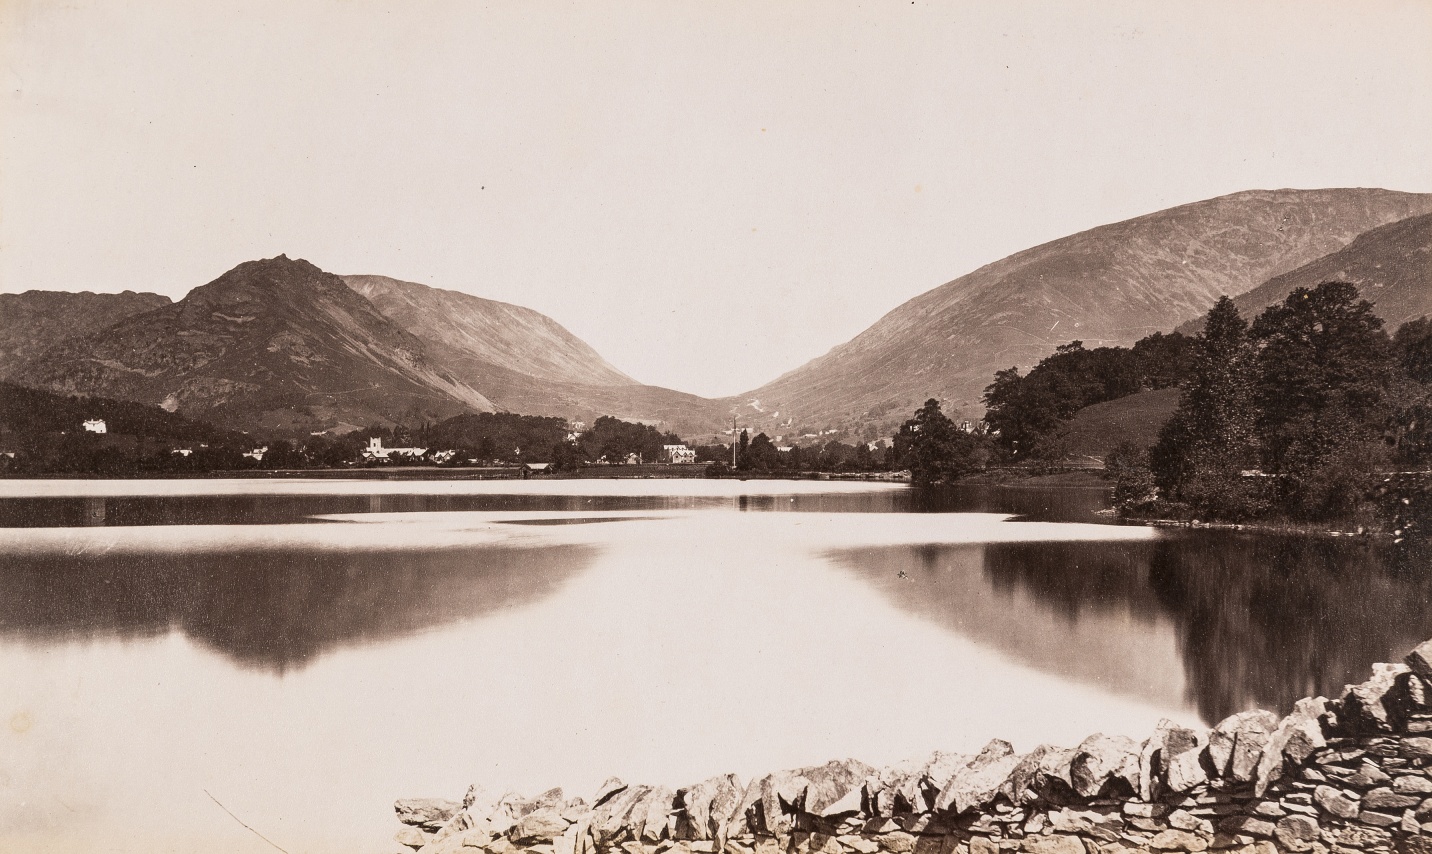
pixel 1095 430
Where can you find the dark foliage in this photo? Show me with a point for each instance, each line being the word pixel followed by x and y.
pixel 1028 410
pixel 1134 487
pixel 496 436
pixel 615 440
pixel 1413 348
pixel 935 450
pixel 761 454
pixel 1300 416
pixel 32 411
pixel 45 433
pixel 1205 449
pixel 1325 368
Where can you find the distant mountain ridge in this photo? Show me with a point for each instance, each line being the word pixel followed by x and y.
pixel 279 344
pixel 1109 285
pixel 271 344
pixel 33 321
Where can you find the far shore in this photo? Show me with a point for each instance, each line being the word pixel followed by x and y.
pixel 1005 477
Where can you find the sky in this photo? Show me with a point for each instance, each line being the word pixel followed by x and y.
pixel 710 194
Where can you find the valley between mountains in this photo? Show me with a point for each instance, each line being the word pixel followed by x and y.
pixel 280 346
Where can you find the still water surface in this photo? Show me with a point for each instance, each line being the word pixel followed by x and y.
pixel 307 655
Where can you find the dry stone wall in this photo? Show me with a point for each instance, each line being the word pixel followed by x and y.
pixel 1348 775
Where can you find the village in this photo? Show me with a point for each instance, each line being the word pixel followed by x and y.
pixel 487 445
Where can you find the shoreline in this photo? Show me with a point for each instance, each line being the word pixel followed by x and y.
pixel 1285 528
pixel 653 471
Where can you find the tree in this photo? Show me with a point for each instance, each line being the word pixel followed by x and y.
pixel 1008 411
pixel 496 435
pixel 282 454
pixel 565 456
pixel 1164 361
pixel 934 449
pixel 1413 346
pixel 1324 370
pixel 616 440
pixel 1410 429
pixel 1029 410
pixel 1210 440
pixel 1134 487
pixel 762 455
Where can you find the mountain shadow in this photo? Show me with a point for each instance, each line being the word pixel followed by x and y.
pixel 275 610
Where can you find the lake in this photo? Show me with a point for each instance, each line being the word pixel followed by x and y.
pixel 180 656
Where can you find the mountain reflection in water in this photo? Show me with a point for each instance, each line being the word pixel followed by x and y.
pixel 276 610
pixel 310 655
pixel 1261 620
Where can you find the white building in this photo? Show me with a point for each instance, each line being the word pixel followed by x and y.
pixel 678 454
pixel 257 454
pixel 376 451
pixel 96 425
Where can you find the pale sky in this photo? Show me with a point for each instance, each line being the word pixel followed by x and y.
pixel 708 193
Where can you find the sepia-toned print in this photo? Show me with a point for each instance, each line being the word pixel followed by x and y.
pixel 651 428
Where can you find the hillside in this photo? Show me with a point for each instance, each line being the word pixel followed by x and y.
pixel 525 362
pixel 276 344
pixel 1095 430
pixel 1391 266
pixel 496 333
pixel 1109 285
pixel 43 433
pixel 27 412
pixel 34 321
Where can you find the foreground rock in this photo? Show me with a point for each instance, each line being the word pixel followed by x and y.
pixel 1352 774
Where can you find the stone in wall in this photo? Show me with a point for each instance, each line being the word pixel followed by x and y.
pixel 1350 774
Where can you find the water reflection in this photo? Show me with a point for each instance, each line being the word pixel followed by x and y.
pixel 536 647
pixel 268 509
pixel 277 507
pixel 1080 610
pixel 1258 621
pixel 274 610
pixel 1264 620
pixel 1036 504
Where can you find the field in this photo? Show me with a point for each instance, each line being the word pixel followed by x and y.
pixel 1095 430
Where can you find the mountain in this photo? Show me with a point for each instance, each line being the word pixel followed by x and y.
pixel 1391 266
pixel 491 332
pixel 1107 286
pixel 37 320
pixel 526 362
pixel 271 344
